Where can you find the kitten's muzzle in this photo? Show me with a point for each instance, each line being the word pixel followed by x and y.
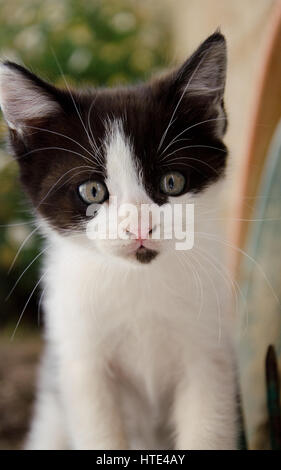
pixel 139 233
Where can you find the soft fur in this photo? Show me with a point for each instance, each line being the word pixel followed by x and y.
pixel 139 347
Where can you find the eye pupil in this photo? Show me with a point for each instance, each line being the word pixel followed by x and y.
pixel 171 182
pixel 93 192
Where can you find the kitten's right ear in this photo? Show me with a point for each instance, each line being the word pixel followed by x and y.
pixel 24 97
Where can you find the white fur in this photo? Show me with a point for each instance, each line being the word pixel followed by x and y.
pixel 123 178
pixel 135 356
pixel 20 100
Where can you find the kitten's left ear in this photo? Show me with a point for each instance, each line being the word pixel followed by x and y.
pixel 25 97
pixel 204 73
pixel 202 77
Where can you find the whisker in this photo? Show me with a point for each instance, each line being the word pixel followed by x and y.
pixel 66 137
pixel 21 247
pixel 193 146
pixel 86 169
pixel 90 128
pixel 178 103
pixel 173 160
pixel 199 283
pixel 247 220
pixel 217 298
pixel 22 274
pixel 18 224
pixel 25 306
pixel 188 128
pixel 56 148
pixel 223 272
pixel 213 237
pixel 72 98
pixel 61 186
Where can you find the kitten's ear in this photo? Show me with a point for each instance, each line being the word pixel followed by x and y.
pixel 204 73
pixel 24 97
pixel 202 78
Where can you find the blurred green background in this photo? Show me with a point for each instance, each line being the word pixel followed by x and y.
pixel 94 42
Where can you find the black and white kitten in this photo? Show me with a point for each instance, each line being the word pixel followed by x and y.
pixel 138 334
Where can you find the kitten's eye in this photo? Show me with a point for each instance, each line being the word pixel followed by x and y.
pixel 172 183
pixel 93 192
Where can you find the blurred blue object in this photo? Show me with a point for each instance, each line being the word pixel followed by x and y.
pixel 260 319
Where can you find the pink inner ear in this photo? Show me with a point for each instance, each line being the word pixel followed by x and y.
pixel 21 99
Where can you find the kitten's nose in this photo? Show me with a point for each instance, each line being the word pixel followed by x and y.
pixel 139 233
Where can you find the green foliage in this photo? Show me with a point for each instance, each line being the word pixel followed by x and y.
pixel 80 42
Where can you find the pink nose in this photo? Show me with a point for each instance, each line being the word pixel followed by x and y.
pixel 139 233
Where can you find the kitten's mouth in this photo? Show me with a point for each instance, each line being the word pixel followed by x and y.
pixel 145 255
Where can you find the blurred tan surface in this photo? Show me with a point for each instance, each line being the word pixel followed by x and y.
pixel 244 24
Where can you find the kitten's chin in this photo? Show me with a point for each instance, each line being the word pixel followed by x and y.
pixel 138 256
pixel 141 256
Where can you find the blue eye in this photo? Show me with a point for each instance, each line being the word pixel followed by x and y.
pixel 172 183
pixel 93 192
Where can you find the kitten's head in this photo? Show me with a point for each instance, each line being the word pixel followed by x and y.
pixel 158 142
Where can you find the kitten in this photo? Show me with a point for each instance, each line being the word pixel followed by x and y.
pixel 139 350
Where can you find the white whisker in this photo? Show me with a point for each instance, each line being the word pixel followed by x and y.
pixel 41 149
pixel 219 240
pixel 25 306
pixel 73 100
pixel 66 137
pixel 22 274
pixel 21 247
pixel 173 160
pixel 193 146
pixel 187 129
pixel 86 169
pixel 178 103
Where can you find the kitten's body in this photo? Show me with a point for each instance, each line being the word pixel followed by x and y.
pixel 137 355
pixel 148 329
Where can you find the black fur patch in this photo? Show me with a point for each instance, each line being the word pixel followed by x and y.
pixel 56 154
pixel 145 255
